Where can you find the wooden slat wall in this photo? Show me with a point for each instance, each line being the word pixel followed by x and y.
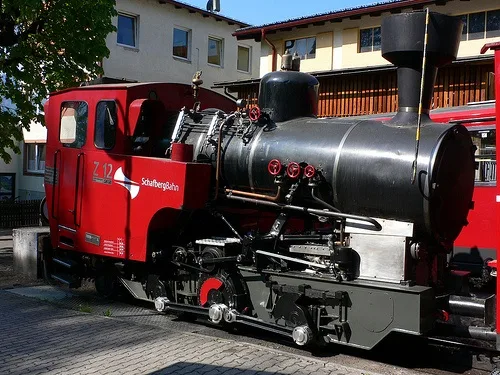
pixel 366 93
pixel 357 95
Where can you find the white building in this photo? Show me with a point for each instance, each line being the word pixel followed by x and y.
pixel 156 40
pixel 165 40
pixel 22 178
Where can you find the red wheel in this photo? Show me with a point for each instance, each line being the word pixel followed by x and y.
pixel 210 286
pixel 293 170
pixel 254 113
pixel 443 315
pixel 274 167
pixel 309 171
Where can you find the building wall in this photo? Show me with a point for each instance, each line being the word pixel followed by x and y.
pixel 27 185
pixel 338 43
pixel 31 184
pixel 265 60
pixel 153 60
pixel 12 167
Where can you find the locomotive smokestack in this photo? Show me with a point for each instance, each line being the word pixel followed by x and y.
pixel 403 38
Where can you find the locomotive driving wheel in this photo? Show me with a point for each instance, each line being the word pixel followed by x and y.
pixel 212 291
pixel 227 288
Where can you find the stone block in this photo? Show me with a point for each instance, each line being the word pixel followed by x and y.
pixel 27 245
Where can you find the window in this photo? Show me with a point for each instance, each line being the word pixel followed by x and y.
pixel 7 186
pixel 481 25
pixel 73 129
pixel 181 46
pixel 305 48
pixel 127 30
pixel 493 24
pixel 215 51
pixel 484 140
pixel 105 125
pixel 243 59
pixel 34 158
pixel 370 39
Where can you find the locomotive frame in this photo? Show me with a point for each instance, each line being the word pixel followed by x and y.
pixel 270 217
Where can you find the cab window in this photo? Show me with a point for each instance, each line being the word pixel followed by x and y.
pixel 105 125
pixel 484 140
pixel 73 127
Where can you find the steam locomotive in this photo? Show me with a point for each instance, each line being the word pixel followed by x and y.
pixel 335 230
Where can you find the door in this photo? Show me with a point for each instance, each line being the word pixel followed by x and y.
pixel 72 137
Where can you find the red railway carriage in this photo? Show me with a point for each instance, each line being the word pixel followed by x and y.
pixel 320 230
pixel 477 242
pixel 496 48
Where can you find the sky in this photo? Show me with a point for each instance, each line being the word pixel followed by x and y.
pixel 259 12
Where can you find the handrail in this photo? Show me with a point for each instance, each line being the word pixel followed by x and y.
pixel 75 211
pixel 54 184
pixel 471 120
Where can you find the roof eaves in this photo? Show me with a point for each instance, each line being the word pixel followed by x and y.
pixel 204 13
pixel 389 5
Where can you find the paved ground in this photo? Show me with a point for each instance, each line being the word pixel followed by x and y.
pixel 48 330
pixel 39 338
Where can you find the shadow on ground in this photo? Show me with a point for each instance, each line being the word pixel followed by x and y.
pixel 200 368
pixel 126 308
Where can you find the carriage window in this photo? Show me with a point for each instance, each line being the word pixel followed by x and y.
pixel 484 140
pixel 73 129
pixel 105 125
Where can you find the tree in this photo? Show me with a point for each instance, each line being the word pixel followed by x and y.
pixel 46 45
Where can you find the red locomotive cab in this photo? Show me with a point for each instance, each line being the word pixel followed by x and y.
pixel 108 179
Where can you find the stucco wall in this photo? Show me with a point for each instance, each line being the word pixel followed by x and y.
pixel 152 60
pixel 12 167
pixel 27 186
pixel 37 133
pixel 31 186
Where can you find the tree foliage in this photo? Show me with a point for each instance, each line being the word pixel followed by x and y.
pixel 46 45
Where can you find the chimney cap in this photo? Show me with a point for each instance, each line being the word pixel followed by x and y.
pixel 403 38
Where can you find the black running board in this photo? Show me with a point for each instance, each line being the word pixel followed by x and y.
pixel 67 279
